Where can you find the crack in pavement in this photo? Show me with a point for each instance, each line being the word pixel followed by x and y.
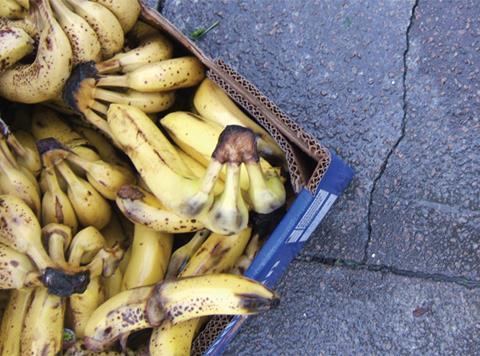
pixel 356 265
pixel 400 138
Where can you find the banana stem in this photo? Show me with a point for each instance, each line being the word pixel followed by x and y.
pixel 113 81
pixel 99 107
pixel 67 173
pixel 99 123
pixel 56 250
pixel 110 96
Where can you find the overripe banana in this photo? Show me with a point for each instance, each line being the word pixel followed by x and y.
pixel 182 255
pixel 26 23
pixel 12 321
pixel 126 11
pixel 166 75
pixel 175 300
pixel 141 207
pixel 44 78
pixel 244 262
pixel 213 104
pixel 103 22
pixel 148 263
pixel 216 255
pixel 85 44
pixel 90 207
pixel 17 270
pixel 21 231
pixel 43 327
pixel 267 193
pixel 23 145
pixel 11 9
pixel 151 49
pixel 56 206
pixel 15 44
pixel 105 177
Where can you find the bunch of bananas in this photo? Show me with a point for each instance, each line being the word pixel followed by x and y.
pixel 127 150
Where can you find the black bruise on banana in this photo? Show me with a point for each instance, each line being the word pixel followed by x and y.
pixel 64 285
pixel 82 77
pixel 236 144
pixel 50 144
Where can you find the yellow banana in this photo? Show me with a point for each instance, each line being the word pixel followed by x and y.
pixel 23 145
pixel 17 270
pixel 24 3
pixel 175 300
pixel 266 194
pixel 11 9
pixel 105 177
pixel 112 285
pixel 147 102
pixel 140 31
pixel 56 206
pixel 182 255
pixel 90 207
pixel 47 123
pixel 57 237
pixel 143 208
pixel 148 263
pixel 85 246
pixel 166 75
pixel 13 320
pixel 126 11
pixel 103 22
pixel 17 180
pixel 216 255
pixel 43 327
pixel 104 148
pixel 26 23
pixel 213 104
pixel 151 49
pixel 246 259
pixel 44 78
pixel 84 41
pixel 15 44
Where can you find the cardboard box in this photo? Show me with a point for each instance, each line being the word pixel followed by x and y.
pixel 317 176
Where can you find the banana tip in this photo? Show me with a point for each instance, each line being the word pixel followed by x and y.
pixel 254 303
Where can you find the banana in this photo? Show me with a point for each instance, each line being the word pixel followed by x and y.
pixel 105 150
pixel 148 263
pixel 266 194
pixel 182 255
pixel 85 44
pixel 57 237
pixel 17 270
pixel 216 255
pixel 175 300
pixel 85 245
pixel 56 206
pixel 126 11
pixel 141 207
pixel 17 180
pixel 23 145
pixel 246 259
pixel 114 232
pixel 44 78
pixel 106 178
pixel 140 31
pixel 112 285
pixel 12 322
pixel 43 327
pixel 213 104
pixel 142 141
pixel 24 3
pixel 104 23
pixel 90 207
pixel 21 231
pixel 151 49
pixel 174 340
pixel 147 102
pixel 15 44
pixel 199 170
pixel 166 75
pixel 26 23
pixel 11 9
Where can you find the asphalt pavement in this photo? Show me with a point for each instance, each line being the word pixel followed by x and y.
pixel 393 87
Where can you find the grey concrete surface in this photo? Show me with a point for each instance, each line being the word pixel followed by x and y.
pixel 336 311
pixel 426 211
pixel 397 96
